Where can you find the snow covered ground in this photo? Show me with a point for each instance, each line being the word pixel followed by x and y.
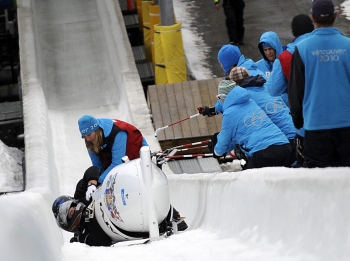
pixel 67 71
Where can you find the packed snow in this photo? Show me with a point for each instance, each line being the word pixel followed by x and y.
pixel 261 214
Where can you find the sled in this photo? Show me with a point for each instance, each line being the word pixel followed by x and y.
pixel 133 200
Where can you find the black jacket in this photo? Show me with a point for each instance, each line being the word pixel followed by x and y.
pixel 92 234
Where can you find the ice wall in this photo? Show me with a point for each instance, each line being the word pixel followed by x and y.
pixel 295 210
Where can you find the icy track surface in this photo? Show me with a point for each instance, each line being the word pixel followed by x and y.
pixel 75 60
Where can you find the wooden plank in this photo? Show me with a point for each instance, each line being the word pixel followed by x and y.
pixel 173 115
pixel 175 95
pixel 153 104
pixel 191 109
pixel 156 109
pixel 198 101
pixel 180 94
pixel 165 111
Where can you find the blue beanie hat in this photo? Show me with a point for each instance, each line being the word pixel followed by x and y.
pixel 87 124
pixel 228 56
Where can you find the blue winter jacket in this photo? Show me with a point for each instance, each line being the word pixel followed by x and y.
pixel 250 65
pixel 274 107
pixel 271 38
pixel 277 83
pixel 244 123
pixel 319 86
pixel 118 148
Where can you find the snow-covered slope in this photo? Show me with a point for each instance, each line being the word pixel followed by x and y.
pixel 75 60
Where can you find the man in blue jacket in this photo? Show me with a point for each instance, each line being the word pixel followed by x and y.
pixel 270 48
pixel 319 90
pixel 277 83
pixel 246 124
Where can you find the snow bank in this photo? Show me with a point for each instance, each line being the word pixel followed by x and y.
pixel 11 178
pixel 27 215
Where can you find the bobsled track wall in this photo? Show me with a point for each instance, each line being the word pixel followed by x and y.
pixel 291 210
pixel 295 210
pixel 75 59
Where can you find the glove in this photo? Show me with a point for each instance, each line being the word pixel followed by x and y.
pixel 212 143
pixel 207 111
pixel 239 153
pixel 217 157
pixel 91 189
pixel 75 238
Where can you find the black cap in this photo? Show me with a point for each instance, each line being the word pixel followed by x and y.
pixel 322 8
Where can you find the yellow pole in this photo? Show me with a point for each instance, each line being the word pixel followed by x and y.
pixel 170 62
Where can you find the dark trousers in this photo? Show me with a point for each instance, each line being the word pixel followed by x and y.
pixel 272 156
pixel 233 11
pixel 293 155
pixel 299 146
pixel 327 148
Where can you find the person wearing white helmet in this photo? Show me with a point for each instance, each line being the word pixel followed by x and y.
pixel 73 216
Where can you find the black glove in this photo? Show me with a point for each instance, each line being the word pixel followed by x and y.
pixel 75 238
pixel 239 153
pixel 212 143
pixel 207 111
pixel 216 156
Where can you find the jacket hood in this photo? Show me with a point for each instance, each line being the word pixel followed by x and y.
pixel 236 96
pixel 271 38
pixel 106 125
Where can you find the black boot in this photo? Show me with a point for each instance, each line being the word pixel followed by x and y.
pixel 180 221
